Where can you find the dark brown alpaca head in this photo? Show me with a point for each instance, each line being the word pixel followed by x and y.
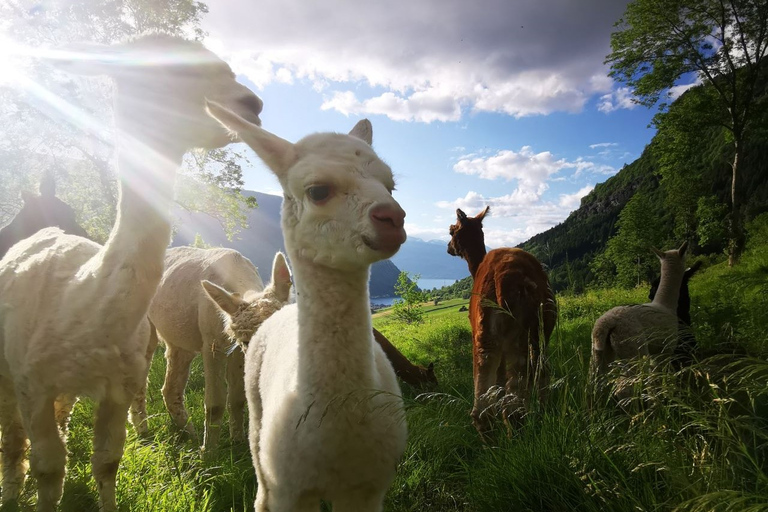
pixel 467 239
pixel 38 212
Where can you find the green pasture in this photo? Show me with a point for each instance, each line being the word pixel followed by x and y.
pixel 693 440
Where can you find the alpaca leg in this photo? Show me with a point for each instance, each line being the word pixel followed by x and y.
pixel 63 410
pixel 538 371
pixel 517 391
pixel 14 443
pixel 236 394
pixel 359 502
pixel 48 454
pixel 139 406
pixel 486 363
pixel 214 365
pixel 108 444
pixel 286 500
pixel 178 362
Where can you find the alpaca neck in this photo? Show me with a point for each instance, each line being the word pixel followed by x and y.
pixel 135 250
pixel 669 286
pixel 474 257
pixel 335 333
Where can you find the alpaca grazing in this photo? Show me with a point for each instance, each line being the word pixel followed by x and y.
pixel 41 211
pixel 626 332
pixel 326 416
pixel 73 318
pixel 412 374
pixel 686 344
pixel 189 322
pixel 511 307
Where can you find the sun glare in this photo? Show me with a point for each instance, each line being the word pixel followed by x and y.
pixel 10 60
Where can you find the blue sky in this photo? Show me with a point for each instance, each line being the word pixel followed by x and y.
pixel 497 103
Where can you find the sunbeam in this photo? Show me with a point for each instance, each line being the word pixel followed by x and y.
pixel 131 149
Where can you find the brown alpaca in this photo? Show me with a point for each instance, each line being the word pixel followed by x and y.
pixel 410 373
pixel 511 304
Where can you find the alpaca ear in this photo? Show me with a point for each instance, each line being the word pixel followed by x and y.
pixel 281 277
pixel 226 301
pixel 683 248
pixel 363 130
pixel 461 215
pixel 657 253
pixel 480 216
pixel 279 154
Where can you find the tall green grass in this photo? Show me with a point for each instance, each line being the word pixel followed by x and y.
pixel 689 440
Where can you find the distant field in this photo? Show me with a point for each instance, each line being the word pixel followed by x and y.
pixel 682 448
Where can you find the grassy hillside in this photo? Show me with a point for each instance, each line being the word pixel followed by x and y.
pixel 694 441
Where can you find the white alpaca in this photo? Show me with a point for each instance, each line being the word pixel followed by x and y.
pixel 73 317
pixel 190 323
pixel 326 416
pixel 644 329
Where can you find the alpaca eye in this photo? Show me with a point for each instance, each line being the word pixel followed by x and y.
pixel 318 193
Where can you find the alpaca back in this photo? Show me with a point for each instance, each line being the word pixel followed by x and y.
pixel 34 276
pixel 180 310
pixel 626 331
pixel 513 280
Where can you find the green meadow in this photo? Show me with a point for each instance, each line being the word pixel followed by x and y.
pixel 689 440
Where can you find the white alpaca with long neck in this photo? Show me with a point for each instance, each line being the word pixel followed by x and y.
pixel 73 317
pixel 326 416
pixel 189 323
pixel 645 329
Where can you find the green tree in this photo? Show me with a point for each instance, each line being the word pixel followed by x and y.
pixel 712 230
pixel 408 308
pixel 638 228
pixel 35 137
pixel 722 42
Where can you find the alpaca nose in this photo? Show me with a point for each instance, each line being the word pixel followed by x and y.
pixel 388 220
pixel 388 214
pixel 253 106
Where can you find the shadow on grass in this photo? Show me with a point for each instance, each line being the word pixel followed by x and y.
pixel 78 497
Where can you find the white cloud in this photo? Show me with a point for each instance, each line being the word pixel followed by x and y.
pixel 433 57
pixel 603 145
pixel 572 201
pixel 531 170
pixel 416 231
pixel 617 99
pixel 513 218
pixel 424 106
pixel 678 90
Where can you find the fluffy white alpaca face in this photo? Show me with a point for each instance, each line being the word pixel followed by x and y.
pixel 338 209
pixel 329 196
pixel 163 80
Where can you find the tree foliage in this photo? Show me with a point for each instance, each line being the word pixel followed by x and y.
pixel 638 229
pixel 35 136
pixel 722 42
pixel 408 308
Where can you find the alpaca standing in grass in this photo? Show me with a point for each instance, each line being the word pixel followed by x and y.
pixel 73 318
pixel 41 211
pixel 326 416
pixel 189 322
pixel 625 332
pixel 686 343
pixel 511 307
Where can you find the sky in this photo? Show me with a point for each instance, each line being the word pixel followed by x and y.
pixel 473 103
